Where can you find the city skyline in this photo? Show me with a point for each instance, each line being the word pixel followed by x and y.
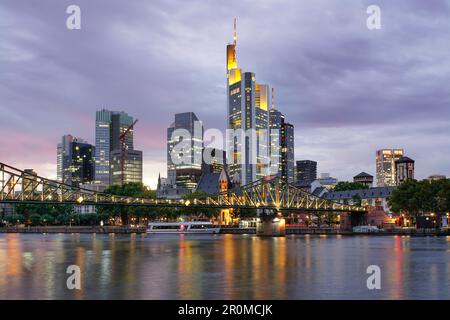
pixel 344 104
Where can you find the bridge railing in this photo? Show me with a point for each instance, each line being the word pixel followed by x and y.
pixel 20 186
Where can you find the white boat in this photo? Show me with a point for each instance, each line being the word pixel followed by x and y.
pixel 183 227
pixel 365 229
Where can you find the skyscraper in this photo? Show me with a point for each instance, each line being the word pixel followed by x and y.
pixel 306 171
pixel 287 153
pixel 247 121
pixel 184 151
pixel 281 146
pixel 75 161
pixel 132 166
pixel 108 127
pixel 63 156
pixel 385 166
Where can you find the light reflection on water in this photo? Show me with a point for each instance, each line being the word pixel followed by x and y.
pixel 222 267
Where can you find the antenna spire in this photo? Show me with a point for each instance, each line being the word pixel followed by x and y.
pixel 273 98
pixel 235 32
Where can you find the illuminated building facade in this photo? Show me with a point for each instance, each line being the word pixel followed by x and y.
pixel 385 166
pixel 132 167
pixel 184 164
pixel 108 127
pixel 247 110
pixel 281 146
pixel 75 161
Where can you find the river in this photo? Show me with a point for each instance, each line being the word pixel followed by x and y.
pixel 33 266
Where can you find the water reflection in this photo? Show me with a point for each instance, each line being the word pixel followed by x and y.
pixel 222 267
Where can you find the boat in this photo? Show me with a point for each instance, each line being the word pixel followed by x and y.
pixel 202 227
pixel 366 229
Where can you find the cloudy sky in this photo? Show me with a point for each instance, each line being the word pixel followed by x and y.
pixel 347 90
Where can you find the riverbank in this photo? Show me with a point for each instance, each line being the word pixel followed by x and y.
pixel 224 230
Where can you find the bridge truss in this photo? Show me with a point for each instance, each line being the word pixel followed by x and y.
pixel 17 186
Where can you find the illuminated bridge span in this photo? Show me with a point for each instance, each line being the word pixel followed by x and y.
pixel 18 186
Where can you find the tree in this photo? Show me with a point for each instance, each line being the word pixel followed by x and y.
pixel 53 210
pixel 346 186
pixel 16 219
pixel 414 198
pixel 132 189
pixel 47 219
pixel 34 219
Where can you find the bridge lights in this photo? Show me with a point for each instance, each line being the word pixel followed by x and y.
pixel 80 199
pixel 187 203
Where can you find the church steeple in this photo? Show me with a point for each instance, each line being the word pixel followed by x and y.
pixel 158 187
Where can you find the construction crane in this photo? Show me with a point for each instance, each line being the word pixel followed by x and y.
pixel 123 149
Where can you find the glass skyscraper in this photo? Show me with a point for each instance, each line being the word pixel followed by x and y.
pixel 281 146
pixel 248 115
pixel 75 161
pixel 385 165
pixel 184 166
pixel 108 127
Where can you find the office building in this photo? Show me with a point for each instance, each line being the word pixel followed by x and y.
pixel 281 146
pixel 385 166
pixel 247 121
pixel 184 151
pixel 132 167
pixel 306 171
pixel 108 127
pixel 325 180
pixel 404 170
pixel 75 161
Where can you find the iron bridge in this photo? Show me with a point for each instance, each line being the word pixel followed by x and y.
pixel 17 186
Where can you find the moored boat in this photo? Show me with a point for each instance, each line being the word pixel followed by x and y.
pixel 183 227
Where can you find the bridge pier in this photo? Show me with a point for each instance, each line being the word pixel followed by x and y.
pixel 270 223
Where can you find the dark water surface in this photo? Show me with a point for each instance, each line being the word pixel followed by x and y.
pixel 34 266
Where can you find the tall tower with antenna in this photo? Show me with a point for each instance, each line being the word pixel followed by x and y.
pixel 235 32
pixel 248 120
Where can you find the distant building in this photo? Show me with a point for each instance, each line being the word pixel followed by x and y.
pixel 363 178
pixel 75 161
pixel 132 167
pixel 306 171
pixel 209 180
pixel 404 169
pixel 281 146
pixel 184 151
pixel 385 166
pixel 94 186
pixel 162 183
pixel 377 196
pixel 327 181
pixel 109 125
pixel 29 182
pixel 435 177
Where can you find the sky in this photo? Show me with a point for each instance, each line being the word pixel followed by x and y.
pixel 347 90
